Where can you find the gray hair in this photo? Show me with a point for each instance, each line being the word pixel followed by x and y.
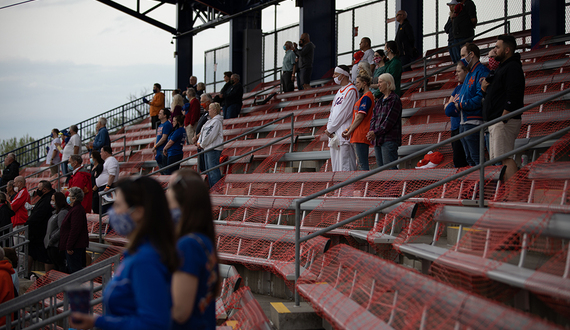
pixel 76 158
pixel 289 44
pixel 388 79
pixel 11 155
pixel 191 92
pixel 77 193
pixel 235 75
pixel 208 96
pixel 103 121
pixel 73 128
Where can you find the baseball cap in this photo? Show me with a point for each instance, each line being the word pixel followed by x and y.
pixel 453 2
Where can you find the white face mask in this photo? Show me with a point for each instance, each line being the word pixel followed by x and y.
pixel 16 189
pixel 337 80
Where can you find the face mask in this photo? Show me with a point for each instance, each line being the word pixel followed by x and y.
pixel 301 42
pixel 16 189
pixel 68 199
pixel 91 161
pixel 154 90
pixel 284 48
pixel 70 167
pixel 176 214
pixel 204 105
pixel 39 193
pixel 377 60
pixel 52 203
pixel 123 224
pixel 337 80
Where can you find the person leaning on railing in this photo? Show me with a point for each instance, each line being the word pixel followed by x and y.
pixel 138 297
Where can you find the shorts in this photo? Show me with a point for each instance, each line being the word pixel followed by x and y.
pixel 502 137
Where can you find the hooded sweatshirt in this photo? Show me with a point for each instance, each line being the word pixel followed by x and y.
pixel 212 133
pixel 506 92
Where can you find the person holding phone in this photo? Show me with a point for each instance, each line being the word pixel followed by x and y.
pixel 138 296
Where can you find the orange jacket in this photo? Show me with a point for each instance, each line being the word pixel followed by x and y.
pixel 156 104
pixel 359 134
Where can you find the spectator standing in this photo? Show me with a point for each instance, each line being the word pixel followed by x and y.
pixel 368 56
pixel 156 104
pixel 394 66
pixel 380 60
pixel 220 98
pixel 233 98
pixel 192 114
pixel 110 174
pixel 205 101
pixel 193 82
pixel 138 296
pixel 463 23
pixel 200 89
pixel 102 138
pixel 19 202
pixel 405 39
pixel 469 101
pixel 357 57
pixel 386 124
pixel 176 106
pixel 6 215
pixel 51 239
pixel 96 169
pixel 11 169
pixel 361 116
pixel 342 153
pixel 211 136
pixel 11 255
pixel 81 178
pixel 10 190
pixel 37 226
pixel 288 68
pixel 53 156
pixel 73 234
pixel 459 159
pixel 504 94
pixel 6 284
pixel 448 28
pixel 196 284
pixel 306 56
pixel 173 149
pixel 72 147
pixel 162 133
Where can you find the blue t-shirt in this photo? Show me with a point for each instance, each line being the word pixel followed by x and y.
pixel 163 129
pixel 138 296
pixel 178 137
pixel 452 112
pixel 195 261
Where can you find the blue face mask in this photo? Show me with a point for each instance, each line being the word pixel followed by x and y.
pixel 70 167
pixel 176 214
pixel 91 161
pixel 68 199
pixel 284 47
pixel 123 224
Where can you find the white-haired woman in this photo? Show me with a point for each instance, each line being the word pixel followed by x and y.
pixel 211 135
pixel 386 125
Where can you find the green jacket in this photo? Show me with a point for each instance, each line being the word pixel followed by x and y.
pixel 394 67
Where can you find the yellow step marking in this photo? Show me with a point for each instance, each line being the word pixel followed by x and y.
pixel 280 308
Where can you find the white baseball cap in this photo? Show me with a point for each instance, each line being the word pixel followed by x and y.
pixel 453 2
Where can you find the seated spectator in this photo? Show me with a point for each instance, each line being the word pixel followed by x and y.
pixel 173 149
pixel 51 239
pixel 6 215
pixel 102 138
pixel 96 169
pixel 386 124
pixel 37 226
pixel 196 284
pixel 459 159
pixel 361 116
pixel 380 59
pixel 73 233
pixel 176 106
pixel 81 178
pixel 393 67
pixel 211 136
pixel 6 284
pixel 138 296
pixel 11 169
pixel 53 157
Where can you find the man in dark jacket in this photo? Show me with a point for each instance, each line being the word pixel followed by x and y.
pixel 37 225
pixel 504 94
pixel 11 170
pixel 405 39
pixel 233 98
pixel 463 23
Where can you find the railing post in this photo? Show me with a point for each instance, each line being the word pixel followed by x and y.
pixel 124 148
pixel 292 133
pixel 482 169
pixel 123 116
pixel 100 216
pixel 297 250
pixel 425 74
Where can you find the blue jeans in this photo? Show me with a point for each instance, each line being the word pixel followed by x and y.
pixel 386 153
pixel 172 160
pixel 232 111
pixel 362 152
pixel 212 159
pixel 470 144
pixel 455 52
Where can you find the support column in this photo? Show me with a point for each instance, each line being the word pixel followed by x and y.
pixel 548 19
pixel 246 47
pixel 415 10
pixel 183 47
pixel 317 18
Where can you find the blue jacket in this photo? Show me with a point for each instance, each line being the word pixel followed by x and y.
pixel 452 112
pixel 101 139
pixel 471 95
pixel 138 296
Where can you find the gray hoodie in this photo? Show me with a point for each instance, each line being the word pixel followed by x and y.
pixel 212 133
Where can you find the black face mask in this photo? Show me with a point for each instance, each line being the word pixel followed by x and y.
pixel 39 193
pixel 361 90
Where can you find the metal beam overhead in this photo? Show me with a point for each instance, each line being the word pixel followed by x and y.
pixel 140 15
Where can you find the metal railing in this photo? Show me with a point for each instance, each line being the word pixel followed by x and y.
pixel 41 308
pixel 290 135
pixel 481 167
pixel 18 240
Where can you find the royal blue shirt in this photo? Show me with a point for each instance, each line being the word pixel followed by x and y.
pixel 178 137
pixel 452 112
pixel 163 129
pixel 198 259
pixel 138 296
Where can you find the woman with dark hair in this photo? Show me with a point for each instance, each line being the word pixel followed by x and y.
pixel 176 139
pixel 393 66
pixel 380 59
pixel 51 240
pixel 73 233
pixel 96 169
pixel 196 284
pixel 138 296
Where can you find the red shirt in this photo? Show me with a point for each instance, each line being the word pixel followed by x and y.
pixel 82 180
pixel 18 207
pixel 193 113
pixel 363 106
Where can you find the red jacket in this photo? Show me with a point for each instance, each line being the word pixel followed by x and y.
pixel 73 233
pixel 193 113
pixel 18 207
pixel 6 284
pixel 82 180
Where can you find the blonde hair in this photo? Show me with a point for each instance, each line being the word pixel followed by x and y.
pixel 217 106
pixel 177 100
pixel 386 77
pixel 365 66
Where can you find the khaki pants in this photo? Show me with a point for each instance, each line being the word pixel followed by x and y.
pixel 190 132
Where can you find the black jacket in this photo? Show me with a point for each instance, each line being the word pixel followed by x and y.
pixel 405 39
pixel 11 172
pixel 6 215
pixel 39 217
pixel 234 94
pixel 506 92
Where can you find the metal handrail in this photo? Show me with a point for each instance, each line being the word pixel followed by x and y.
pixel 290 135
pixel 481 167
